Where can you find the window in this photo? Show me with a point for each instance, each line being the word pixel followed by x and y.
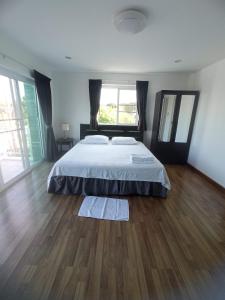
pixel 118 105
pixel 20 128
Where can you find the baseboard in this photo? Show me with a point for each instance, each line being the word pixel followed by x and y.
pixel 216 184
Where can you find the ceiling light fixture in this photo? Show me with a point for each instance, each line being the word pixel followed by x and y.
pixel 130 21
pixel 68 57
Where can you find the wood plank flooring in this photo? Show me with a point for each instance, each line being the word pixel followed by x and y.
pixel 170 249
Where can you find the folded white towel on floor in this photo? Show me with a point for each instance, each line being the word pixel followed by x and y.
pixel 104 208
pixel 142 159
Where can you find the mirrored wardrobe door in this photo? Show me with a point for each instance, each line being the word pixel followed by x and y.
pixel 166 120
pixel 173 124
pixel 184 119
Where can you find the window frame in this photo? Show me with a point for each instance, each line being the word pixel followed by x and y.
pixel 119 88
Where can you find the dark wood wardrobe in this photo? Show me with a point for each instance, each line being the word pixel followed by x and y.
pixel 173 124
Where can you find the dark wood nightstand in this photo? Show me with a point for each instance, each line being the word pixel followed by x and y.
pixel 68 142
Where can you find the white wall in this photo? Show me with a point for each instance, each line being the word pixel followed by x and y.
pixel 23 61
pixel 207 152
pixel 71 96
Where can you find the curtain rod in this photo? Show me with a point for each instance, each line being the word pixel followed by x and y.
pixel 5 56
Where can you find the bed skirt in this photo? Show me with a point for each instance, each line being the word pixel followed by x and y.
pixel 67 185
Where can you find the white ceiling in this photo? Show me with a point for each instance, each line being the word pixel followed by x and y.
pixel 191 30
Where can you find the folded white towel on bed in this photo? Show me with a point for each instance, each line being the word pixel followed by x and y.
pixel 142 159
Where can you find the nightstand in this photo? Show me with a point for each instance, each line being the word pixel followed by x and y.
pixel 67 142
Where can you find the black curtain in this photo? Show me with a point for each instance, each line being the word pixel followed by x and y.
pixel 142 92
pixel 95 86
pixel 45 100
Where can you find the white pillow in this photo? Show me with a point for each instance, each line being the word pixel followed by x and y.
pixel 123 140
pixel 95 139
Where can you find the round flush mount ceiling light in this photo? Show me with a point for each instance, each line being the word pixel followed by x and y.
pixel 130 21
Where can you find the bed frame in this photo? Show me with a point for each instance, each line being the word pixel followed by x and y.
pixel 112 130
pixel 68 185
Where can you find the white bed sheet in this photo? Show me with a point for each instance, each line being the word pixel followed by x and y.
pixel 111 162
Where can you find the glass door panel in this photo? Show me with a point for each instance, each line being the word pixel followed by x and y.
pixel 11 156
pixel 12 161
pixel 31 119
pixel 21 140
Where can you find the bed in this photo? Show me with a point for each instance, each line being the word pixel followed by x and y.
pixel 107 170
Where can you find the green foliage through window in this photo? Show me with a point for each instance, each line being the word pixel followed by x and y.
pixel 118 106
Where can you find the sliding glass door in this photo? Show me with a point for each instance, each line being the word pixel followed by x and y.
pixel 31 122
pixel 20 128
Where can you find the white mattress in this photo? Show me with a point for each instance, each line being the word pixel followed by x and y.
pixel 111 162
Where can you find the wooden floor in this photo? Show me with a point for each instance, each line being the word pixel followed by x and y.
pixel 170 249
